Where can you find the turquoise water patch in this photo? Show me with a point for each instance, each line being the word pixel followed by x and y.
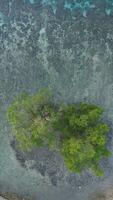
pixel 32 1
pixel 79 5
pixel 84 6
pixel 108 11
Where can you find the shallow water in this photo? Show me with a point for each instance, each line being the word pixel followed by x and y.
pixel 68 48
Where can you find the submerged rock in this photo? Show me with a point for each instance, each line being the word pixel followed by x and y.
pixel 10 196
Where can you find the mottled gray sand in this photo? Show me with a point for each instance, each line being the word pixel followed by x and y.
pixel 1 198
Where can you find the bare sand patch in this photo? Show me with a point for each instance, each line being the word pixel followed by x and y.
pixel 105 194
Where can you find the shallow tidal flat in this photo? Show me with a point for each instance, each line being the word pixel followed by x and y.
pixel 72 55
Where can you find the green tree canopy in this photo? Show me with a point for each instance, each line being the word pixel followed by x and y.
pixel 75 130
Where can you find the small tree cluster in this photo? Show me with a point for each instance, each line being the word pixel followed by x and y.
pixel 75 130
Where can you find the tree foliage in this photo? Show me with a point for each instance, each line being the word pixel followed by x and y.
pixel 75 130
pixel 30 117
